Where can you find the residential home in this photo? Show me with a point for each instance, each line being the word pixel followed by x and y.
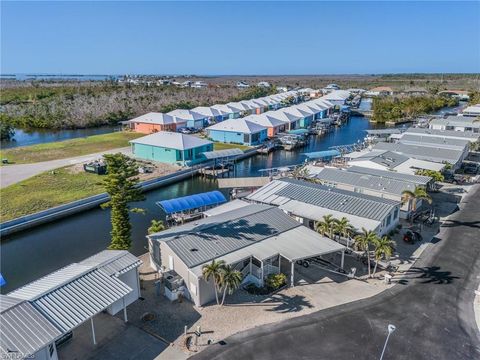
pixel 242 85
pixel 273 125
pixel 189 117
pixel 292 120
pixel 152 122
pixel 380 91
pixel 305 115
pixel 238 131
pixel 257 240
pixel 172 148
pixel 308 202
pixel 227 112
pixel 212 114
pixel 457 123
pixel 444 134
pixel 337 97
pixel 472 111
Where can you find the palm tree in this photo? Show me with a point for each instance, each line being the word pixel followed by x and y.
pixel 156 226
pixel 230 280
pixel 363 241
pixel 344 228
pixel 326 226
pixel 214 271
pixel 418 194
pixel 384 247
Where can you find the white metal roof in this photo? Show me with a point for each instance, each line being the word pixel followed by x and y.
pixel 437 154
pixel 224 109
pixel 435 142
pixel 238 125
pixel 171 140
pixel 23 329
pixel 113 262
pixel 207 111
pixel 265 120
pixel 447 134
pixel 460 121
pixel 154 118
pixel 337 95
pixel 229 206
pixel 186 114
pixel 285 116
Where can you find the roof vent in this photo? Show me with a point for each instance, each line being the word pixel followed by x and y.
pixel 193 249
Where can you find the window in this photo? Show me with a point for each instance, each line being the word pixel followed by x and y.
pixel 395 213
pixel 389 219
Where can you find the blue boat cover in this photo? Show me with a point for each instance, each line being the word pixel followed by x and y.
pixel 2 280
pixel 192 202
pixel 322 154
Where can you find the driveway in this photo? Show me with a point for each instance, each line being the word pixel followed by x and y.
pixel 12 174
pixel 432 308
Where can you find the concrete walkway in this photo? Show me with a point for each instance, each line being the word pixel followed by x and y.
pixel 12 174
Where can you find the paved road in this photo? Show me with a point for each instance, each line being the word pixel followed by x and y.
pixel 12 174
pixel 432 310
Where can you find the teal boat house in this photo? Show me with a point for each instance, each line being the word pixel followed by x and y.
pixel 172 148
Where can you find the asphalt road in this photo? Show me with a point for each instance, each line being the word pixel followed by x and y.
pixel 432 310
pixel 11 174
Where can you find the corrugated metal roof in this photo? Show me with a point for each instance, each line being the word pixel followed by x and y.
pixel 75 302
pixel 388 159
pixel 436 142
pixel 171 140
pixel 457 121
pixel 452 134
pixel 435 154
pixel 416 179
pixel 364 181
pixel 225 233
pixel 23 330
pixel 113 262
pixel 229 206
pixel 279 192
pixel 217 154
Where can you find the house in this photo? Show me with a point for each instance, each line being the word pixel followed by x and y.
pixel 330 87
pixel 390 161
pixel 435 142
pixel 273 125
pixel 376 183
pixel 304 114
pixel 471 111
pixel 257 240
pixel 253 106
pixel 242 85
pixel 25 331
pixel 152 122
pixel 415 91
pixel 199 85
pixel 172 148
pixel 446 134
pixel 337 97
pixel 308 202
pixel 189 118
pixel 238 109
pixel 226 111
pixel 238 131
pixel 292 120
pixel 76 293
pixel 264 84
pixel 211 114
pixel 457 123
pixel 380 91
pixel 438 154
pixel 461 95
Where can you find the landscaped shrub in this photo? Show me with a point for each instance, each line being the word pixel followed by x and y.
pixel 275 281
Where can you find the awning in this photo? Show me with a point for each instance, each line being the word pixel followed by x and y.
pixel 210 155
pixel 192 202
pixel 322 154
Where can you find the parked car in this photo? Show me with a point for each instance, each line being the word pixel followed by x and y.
pixel 470 168
pixel 411 236
pixel 454 179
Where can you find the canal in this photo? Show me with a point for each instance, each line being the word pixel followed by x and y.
pixel 28 255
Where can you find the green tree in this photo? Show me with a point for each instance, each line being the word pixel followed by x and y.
pixel 384 248
pixel 6 129
pixel 326 227
pixel 363 241
pixel 344 228
pixel 230 280
pixel 156 226
pixel 416 195
pixel 121 185
pixel 435 175
pixel 214 271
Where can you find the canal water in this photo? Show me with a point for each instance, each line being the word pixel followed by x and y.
pixel 40 136
pixel 28 255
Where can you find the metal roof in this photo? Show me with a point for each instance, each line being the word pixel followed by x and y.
pixel 171 140
pixel 435 154
pixel 153 118
pixel 210 155
pixel 229 206
pixel 24 330
pixel 217 236
pixel 279 192
pixel 238 125
pixel 190 202
pixel 436 142
pixel 464 121
pixel 449 134
pixel 113 262
pixel 416 179
pixel 383 131
pixel 389 159
pixel 364 181
pixel 75 302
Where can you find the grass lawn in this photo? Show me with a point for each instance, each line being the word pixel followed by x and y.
pixel 47 190
pixel 223 146
pixel 68 148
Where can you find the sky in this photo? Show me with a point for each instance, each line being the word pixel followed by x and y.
pixel 226 38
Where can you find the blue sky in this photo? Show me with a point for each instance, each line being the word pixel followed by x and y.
pixel 239 37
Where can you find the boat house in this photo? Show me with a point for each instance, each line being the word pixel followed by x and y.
pixel 238 131
pixel 152 122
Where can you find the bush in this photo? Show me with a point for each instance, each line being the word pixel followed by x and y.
pixel 275 281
